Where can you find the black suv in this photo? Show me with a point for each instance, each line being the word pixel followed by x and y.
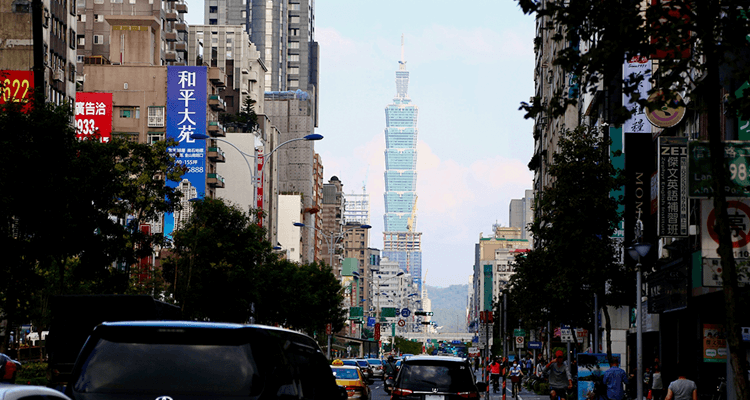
pixel 197 360
pixel 435 378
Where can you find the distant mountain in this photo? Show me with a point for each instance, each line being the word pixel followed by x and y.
pixel 449 306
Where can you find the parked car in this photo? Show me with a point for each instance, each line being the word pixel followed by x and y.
pixel 352 380
pixel 377 367
pixel 200 360
pixel 25 392
pixel 439 377
pixel 366 369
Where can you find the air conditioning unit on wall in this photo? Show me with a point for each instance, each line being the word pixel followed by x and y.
pixel 58 75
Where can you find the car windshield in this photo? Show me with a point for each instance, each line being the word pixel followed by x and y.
pixel 430 375
pixel 363 363
pixel 184 368
pixel 375 362
pixel 345 373
pixel 350 362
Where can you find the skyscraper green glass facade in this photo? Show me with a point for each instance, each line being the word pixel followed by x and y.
pixel 402 243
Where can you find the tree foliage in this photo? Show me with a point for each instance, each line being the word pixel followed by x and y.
pixel 576 216
pixel 71 209
pixel 227 271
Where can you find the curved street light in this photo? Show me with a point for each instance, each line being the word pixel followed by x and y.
pixel 255 177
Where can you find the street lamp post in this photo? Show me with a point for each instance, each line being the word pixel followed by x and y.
pixel 636 252
pixel 256 176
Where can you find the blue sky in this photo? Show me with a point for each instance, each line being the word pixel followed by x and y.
pixel 470 64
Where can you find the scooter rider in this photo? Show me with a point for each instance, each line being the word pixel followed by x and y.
pixel 390 369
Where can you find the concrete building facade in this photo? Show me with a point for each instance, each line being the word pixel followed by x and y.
pixel 59 41
pixel 331 213
pixel 521 214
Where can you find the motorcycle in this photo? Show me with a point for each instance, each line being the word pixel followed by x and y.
pixel 495 378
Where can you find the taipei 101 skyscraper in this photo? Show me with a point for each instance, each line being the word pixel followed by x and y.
pixel 401 241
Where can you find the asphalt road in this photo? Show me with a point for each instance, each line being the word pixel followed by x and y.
pixel 378 393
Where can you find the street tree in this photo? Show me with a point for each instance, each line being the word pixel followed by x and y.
pixel 575 219
pixel 71 209
pixel 703 54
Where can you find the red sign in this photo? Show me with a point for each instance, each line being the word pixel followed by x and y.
pixel 16 86
pixel 94 116
pixel 376 332
pixel 329 329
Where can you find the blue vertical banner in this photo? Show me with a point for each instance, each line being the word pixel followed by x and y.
pixel 186 115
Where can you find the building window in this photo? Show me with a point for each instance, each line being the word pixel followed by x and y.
pixel 154 137
pixel 294 45
pixel 293 70
pixel 244 14
pixel 80 58
pixel 293 32
pixel 294 7
pixel 213 9
pixel 229 54
pixel 129 112
pixel 81 17
pixel 294 57
pixel 98 17
pixel 294 20
pixel 213 21
pixel 72 74
pixel 129 136
pixel 116 1
pixel 156 117
pixel 98 39
pixel 72 37
pixel 293 83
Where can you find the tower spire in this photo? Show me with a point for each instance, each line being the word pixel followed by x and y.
pixel 402 63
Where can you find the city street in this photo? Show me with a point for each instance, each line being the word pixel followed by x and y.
pixel 378 393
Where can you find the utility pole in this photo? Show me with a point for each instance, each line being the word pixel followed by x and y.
pixel 37 16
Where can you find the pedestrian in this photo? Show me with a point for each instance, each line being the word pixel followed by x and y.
pixel 476 363
pixel 495 369
pixel 646 381
pixel 615 378
pixel 657 385
pixel 540 367
pixel 529 365
pixel 560 379
pixel 682 388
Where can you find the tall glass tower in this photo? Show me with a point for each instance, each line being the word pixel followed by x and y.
pixel 401 241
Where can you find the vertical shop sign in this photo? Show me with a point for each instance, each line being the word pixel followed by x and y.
pixel 186 116
pixel 637 68
pixel 94 116
pixel 672 218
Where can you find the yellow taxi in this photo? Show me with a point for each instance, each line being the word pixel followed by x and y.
pixel 351 378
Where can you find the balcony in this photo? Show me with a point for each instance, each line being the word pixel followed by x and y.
pixel 217 76
pixel 171 15
pixel 215 180
pixel 253 76
pixel 216 129
pixel 216 154
pixel 171 36
pixel 170 55
pixel 181 46
pixel 181 7
pixel 244 89
pixel 245 70
pixel 216 103
pixel 181 27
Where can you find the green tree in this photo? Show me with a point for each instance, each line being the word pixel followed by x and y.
pixel 575 218
pixel 215 266
pixel 64 204
pixel 704 55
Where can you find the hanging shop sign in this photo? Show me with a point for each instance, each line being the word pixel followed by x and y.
pixel 672 216
pixel 668 115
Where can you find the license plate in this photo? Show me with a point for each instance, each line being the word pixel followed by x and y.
pixel 434 397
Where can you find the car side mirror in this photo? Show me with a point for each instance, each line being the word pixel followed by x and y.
pixel 390 382
pixel 482 386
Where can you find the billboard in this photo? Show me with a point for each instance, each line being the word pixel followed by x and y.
pixel 637 66
pixel 672 196
pixel 94 116
pixel 186 116
pixel 16 86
